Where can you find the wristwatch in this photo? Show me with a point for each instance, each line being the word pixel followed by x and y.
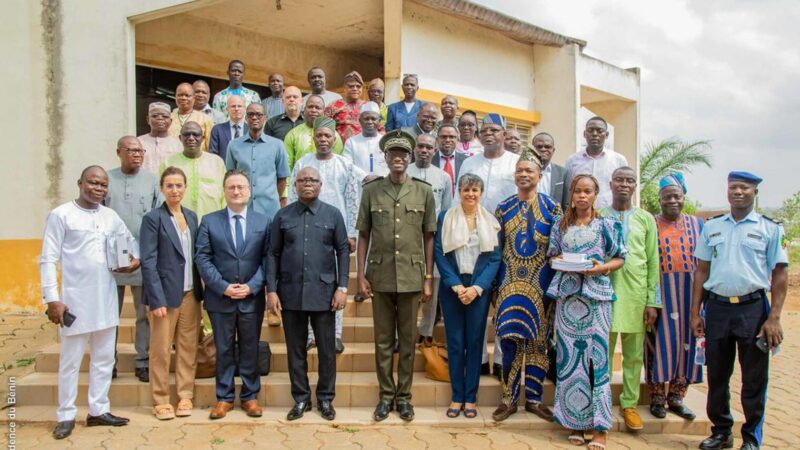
pixel 428 276
pixel 342 289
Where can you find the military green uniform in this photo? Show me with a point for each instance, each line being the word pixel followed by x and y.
pixel 396 216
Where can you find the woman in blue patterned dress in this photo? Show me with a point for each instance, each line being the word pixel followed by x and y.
pixel 583 314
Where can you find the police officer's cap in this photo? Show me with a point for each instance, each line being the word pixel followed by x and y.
pixel 747 177
pixel 397 140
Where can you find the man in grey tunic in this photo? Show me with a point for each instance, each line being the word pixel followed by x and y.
pixel 132 193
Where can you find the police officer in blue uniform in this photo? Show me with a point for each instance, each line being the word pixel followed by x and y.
pixel 740 255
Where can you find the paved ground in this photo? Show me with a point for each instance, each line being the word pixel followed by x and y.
pixel 22 335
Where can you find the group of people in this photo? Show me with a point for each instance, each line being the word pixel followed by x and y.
pixel 252 208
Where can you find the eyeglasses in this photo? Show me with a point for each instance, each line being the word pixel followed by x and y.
pixel 188 134
pixel 134 151
pixel 257 115
pixel 310 181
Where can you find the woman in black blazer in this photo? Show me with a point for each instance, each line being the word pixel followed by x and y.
pixel 172 290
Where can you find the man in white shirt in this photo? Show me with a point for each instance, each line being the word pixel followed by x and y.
pixel 317 81
pixel 82 236
pixel 596 160
pixel 442 187
pixel 363 149
pixel 496 167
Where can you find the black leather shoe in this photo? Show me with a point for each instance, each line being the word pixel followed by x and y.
pixel 298 410
pixel 717 442
pixel 681 410
pixel 486 369
pixel 497 370
pixel 63 429
pixel 406 411
pixel 326 410
pixel 382 410
pixel 143 374
pixel 749 446
pixel 658 411
pixel 339 346
pixel 107 420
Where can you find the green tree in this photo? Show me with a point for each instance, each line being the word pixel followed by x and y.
pixel 789 214
pixel 664 157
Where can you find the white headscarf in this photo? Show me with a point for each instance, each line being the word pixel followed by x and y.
pixel 455 231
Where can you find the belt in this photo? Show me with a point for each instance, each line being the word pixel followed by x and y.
pixel 742 299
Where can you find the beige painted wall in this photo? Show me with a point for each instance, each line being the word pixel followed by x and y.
pixel 204 47
pixel 453 56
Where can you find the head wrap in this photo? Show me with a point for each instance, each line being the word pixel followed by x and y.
pixel 354 76
pixel 158 106
pixel 370 107
pixel 376 82
pixel 747 177
pixel 325 122
pixel 494 119
pixel 531 154
pixel 397 139
pixel 673 179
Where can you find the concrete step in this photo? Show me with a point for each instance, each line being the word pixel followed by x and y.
pixel 361 416
pixel 352 389
pixel 354 329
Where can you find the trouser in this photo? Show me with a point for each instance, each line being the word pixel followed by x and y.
pixel 181 326
pixel 728 327
pixel 295 331
pixel 339 320
pixel 245 329
pixel 528 356
pixel 142 331
pixel 428 320
pixel 395 312
pixel 464 327
pixel 101 363
pixel 632 364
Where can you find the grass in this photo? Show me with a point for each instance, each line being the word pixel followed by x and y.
pixel 217 441
pixel 25 362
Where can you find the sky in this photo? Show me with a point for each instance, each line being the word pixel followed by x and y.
pixel 724 71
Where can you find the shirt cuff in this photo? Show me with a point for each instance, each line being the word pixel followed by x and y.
pixel 478 289
pixel 456 288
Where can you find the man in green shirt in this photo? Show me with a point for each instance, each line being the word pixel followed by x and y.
pixel 396 224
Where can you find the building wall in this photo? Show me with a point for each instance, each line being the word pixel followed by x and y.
pixel 453 56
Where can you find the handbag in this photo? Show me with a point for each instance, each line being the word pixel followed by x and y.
pixel 206 356
pixel 435 366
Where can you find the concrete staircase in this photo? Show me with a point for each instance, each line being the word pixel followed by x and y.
pixel 356 389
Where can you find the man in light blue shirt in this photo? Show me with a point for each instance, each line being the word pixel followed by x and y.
pixel 741 255
pixel 263 158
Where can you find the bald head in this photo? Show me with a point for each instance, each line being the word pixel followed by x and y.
pixel 202 93
pixel 184 98
pixel 427 117
pixel 92 186
pixel 308 184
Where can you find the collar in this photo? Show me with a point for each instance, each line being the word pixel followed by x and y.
pixel 207 109
pixel 313 206
pixel 450 156
pixel 602 154
pixel 231 213
pixel 285 116
pixel 547 169
pixel 752 217
pixel 262 137
pixel 240 123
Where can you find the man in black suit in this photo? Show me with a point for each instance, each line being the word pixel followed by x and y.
pixel 223 133
pixel 232 246
pixel 554 180
pixel 307 277
pixel 446 141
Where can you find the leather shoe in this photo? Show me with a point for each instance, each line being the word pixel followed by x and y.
pixel 143 374
pixel 540 410
pixel 220 410
pixel 503 411
pixel 339 346
pixel 382 410
pixel 63 429
pixel 326 410
pixel 106 419
pixel 633 421
pixel 658 411
pixel 717 442
pixel 749 446
pixel 252 408
pixel 682 411
pixel 406 411
pixel 486 369
pixel 298 410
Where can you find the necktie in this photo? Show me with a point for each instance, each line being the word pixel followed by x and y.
pixel 448 169
pixel 236 133
pixel 239 233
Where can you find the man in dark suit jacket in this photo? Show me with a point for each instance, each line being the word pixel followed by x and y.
pixel 446 141
pixel 307 277
pixel 232 247
pixel 554 180
pixel 224 132
pixel 398 116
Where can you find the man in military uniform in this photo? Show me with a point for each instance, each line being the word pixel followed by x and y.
pixel 737 255
pixel 396 224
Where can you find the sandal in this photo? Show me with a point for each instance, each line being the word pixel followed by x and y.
pixel 598 445
pixel 576 437
pixel 163 412
pixel 470 413
pixel 184 408
pixel 454 412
